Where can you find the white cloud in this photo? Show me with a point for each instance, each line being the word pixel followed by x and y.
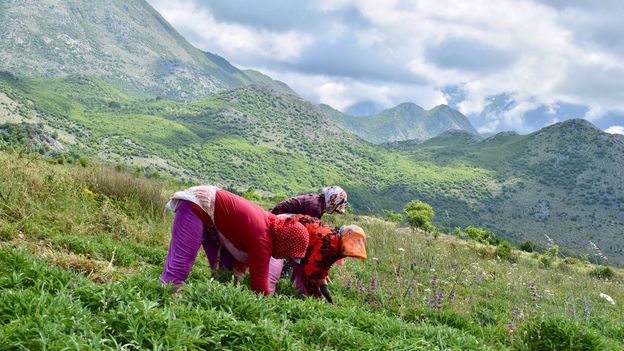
pixel 341 93
pixel 548 52
pixel 234 41
pixel 615 130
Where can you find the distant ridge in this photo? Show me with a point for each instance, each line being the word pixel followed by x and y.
pixel 406 121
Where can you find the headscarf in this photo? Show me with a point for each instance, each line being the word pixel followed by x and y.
pixel 290 238
pixel 335 199
pixel 352 241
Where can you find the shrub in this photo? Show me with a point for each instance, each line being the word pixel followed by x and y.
pixel 504 252
pixel 545 261
pixel 603 272
pixel 83 161
pixel 571 261
pixel 481 235
pixel 419 215
pixel 393 216
pixel 528 246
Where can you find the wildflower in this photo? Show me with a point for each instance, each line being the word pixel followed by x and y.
pixel 517 314
pixel 410 291
pixel 434 280
pixel 375 259
pixel 398 274
pixel 362 288
pixel 401 249
pixel 348 284
pixel 511 326
pixel 587 311
pixel 88 193
pixel 452 297
pixel 437 300
pixel 533 291
pixel 372 285
pixel 607 298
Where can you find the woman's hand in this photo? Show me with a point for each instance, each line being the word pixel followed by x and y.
pixel 325 291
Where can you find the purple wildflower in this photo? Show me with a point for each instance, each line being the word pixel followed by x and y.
pixel 362 288
pixel 348 284
pixel 410 291
pixel 533 291
pixel 587 311
pixel 452 297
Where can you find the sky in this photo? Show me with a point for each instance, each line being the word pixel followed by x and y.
pixel 508 64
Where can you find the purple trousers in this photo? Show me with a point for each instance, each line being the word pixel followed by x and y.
pixel 188 233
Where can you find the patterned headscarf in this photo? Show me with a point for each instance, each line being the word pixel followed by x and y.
pixel 335 199
pixel 290 238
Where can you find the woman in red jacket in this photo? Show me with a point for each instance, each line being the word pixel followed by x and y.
pixel 327 245
pixel 245 235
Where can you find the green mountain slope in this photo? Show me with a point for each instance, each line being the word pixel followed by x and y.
pixel 126 43
pixel 522 187
pixel 406 121
pixel 563 181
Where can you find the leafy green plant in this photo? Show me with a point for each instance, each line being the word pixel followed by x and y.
pixel 528 246
pixel 419 214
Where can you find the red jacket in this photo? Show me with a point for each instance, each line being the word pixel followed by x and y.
pixel 246 226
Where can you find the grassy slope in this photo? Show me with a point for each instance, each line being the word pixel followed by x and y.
pixel 81 250
pixel 274 142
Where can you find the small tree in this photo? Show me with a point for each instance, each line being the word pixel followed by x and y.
pixel 419 215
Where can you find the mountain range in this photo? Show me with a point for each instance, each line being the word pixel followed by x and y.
pixel 115 82
pixel 406 121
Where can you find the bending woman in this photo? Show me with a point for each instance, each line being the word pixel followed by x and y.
pixel 327 246
pixel 234 232
pixel 331 199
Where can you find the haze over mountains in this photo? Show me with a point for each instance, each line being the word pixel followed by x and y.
pixel 116 82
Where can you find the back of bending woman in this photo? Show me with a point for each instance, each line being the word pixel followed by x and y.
pixel 235 233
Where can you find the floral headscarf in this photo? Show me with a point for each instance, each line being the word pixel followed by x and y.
pixel 335 199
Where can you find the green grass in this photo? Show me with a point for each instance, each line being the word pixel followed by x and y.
pixel 81 250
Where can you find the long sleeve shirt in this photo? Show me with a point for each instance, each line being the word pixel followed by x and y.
pixel 246 226
pixel 312 205
pixel 323 251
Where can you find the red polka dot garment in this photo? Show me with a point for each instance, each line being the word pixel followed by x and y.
pixel 290 238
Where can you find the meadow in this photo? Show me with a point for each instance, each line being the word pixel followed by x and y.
pixel 82 246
